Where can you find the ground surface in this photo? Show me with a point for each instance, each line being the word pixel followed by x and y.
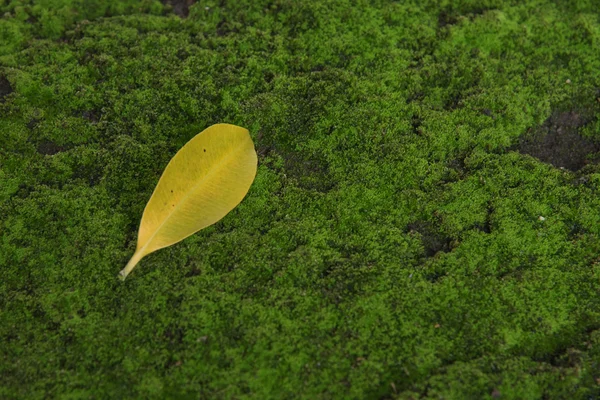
pixel 424 224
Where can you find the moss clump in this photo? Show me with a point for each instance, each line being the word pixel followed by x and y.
pixel 399 241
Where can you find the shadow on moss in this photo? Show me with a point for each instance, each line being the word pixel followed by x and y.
pixel 49 148
pixel 433 241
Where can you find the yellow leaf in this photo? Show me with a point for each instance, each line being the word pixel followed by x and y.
pixel 203 182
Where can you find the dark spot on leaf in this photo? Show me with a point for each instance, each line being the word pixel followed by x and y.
pixel 205 150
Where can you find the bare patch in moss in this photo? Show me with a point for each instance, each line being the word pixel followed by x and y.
pixel 49 148
pixel 180 7
pixel 5 88
pixel 558 142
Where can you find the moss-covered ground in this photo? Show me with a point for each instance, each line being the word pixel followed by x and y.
pixel 424 224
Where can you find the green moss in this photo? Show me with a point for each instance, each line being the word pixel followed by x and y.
pixel 400 240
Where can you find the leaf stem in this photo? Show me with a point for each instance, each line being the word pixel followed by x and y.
pixel 137 256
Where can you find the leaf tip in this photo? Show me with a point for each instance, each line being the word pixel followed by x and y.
pixel 137 256
pixel 122 275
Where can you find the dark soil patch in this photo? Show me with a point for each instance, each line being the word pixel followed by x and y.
pixel 5 88
pixel 180 7
pixel 49 148
pixel 558 142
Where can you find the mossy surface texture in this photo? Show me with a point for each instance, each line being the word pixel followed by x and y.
pixel 424 223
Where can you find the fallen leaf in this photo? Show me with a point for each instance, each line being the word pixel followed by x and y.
pixel 207 178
